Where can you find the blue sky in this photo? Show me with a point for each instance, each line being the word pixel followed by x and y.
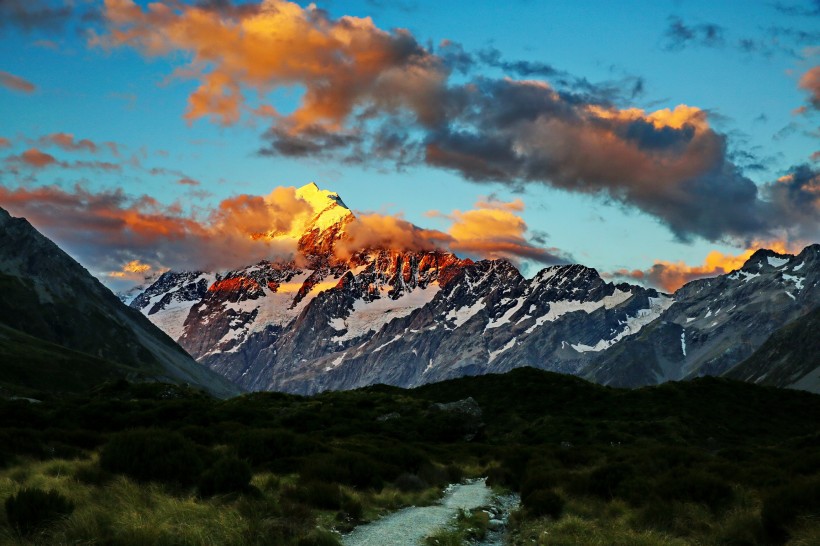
pixel 739 62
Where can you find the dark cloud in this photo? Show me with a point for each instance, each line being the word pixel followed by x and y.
pixel 810 8
pixel 490 56
pixel 679 35
pixel 313 141
pixel 30 15
pixel 796 196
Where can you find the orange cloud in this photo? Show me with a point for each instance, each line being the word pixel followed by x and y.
pixel 16 83
pixel 37 159
pixel 67 142
pixel 810 81
pixel 107 228
pixel 133 270
pixel 343 64
pixel 372 230
pixel 494 230
pixel 4 142
pixel 672 275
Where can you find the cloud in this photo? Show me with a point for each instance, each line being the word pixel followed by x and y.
pixel 34 158
pixel 670 276
pixel 679 35
pixel 16 83
pixel 810 81
pixel 32 15
pixel 187 182
pixel 373 230
pixel 66 141
pixel 133 271
pixel 108 228
pixel 343 64
pixel 370 93
pixel 5 143
pixel 493 230
pixel 812 9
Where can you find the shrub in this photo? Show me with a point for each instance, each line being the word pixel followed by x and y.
pixel 699 487
pixel 343 467
pixel 410 483
pixel 227 475
pixel 783 507
pixel 543 502
pixel 606 481
pixel 152 455
pixel 351 508
pixel 537 478
pixel 273 448
pixel 32 509
pixel 318 494
pixel 319 537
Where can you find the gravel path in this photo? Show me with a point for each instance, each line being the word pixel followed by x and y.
pixel 409 526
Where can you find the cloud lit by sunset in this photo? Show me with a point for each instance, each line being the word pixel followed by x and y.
pixel 180 155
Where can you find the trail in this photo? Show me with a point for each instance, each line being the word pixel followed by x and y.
pixel 410 525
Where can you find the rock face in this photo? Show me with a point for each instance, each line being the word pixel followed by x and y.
pixel 716 323
pixel 789 358
pixel 330 320
pixel 48 295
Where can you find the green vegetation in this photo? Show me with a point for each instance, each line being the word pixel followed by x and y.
pixel 704 462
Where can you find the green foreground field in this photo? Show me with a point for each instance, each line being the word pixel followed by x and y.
pixel 704 462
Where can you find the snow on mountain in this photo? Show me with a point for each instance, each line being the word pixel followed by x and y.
pixel 407 318
pixel 716 323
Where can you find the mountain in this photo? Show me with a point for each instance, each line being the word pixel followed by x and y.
pixel 789 358
pixel 716 323
pixel 333 320
pixel 324 322
pixel 52 310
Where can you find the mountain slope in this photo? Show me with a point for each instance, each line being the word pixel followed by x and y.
pixel 45 294
pixel 789 358
pixel 716 323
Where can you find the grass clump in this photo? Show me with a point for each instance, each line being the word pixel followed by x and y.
pixel 227 475
pixel 30 510
pixel 153 455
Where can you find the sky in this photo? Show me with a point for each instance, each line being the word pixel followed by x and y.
pixel 656 141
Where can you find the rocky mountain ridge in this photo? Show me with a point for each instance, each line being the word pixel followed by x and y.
pixel 411 317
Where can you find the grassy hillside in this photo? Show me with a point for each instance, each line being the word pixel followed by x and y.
pixel 37 367
pixel 706 462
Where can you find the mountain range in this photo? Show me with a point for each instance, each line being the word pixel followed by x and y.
pixel 332 320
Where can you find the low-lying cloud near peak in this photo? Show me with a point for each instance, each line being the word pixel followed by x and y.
pixel 124 237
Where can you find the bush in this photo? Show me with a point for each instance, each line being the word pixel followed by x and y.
pixel 152 455
pixel 228 475
pixel 410 483
pixel 698 487
pixel 607 481
pixel 33 509
pixel 543 502
pixel 318 494
pixel 537 478
pixel 782 508
pixel 320 537
pixel 343 467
